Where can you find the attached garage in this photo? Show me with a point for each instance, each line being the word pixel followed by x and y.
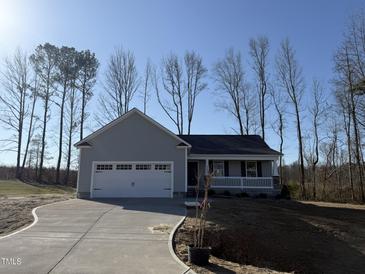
pixel 132 179
pixel 132 156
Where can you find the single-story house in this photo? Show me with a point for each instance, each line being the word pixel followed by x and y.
pixel 134 156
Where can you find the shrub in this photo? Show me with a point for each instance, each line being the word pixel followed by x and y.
pixel 294 189
pixel 211 192
pixel 242 195
pixel 262 196
pixel 285 192
pixel 245 195
pixel 227 193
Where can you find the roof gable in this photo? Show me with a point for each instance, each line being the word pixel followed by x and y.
pixel 124 117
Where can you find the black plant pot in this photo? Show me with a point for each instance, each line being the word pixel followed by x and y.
pixel 198 256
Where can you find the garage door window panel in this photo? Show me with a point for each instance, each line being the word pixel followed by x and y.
pixel 124 167
pixel 102 167
pixel 143 167
pixel 163 167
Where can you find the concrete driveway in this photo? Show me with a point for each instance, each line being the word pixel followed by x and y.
pixel 109 236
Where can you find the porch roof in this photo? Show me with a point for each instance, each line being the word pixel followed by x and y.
pixel 228 144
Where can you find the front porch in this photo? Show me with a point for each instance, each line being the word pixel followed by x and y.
pixel 242 183
pixel 235 174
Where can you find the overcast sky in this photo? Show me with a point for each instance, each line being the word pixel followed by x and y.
pixel 152 29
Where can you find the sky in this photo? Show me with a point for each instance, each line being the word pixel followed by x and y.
pixel 154 28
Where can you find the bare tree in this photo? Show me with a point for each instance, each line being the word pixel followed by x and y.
pixel 345 77
pixel 66 71
pixel 290 79
pixel 44 61
pixel 13 102
pixel 88 67
pixel 317 111
pixel 248 108
pixel 195 73
pixel 230 80
pixel 344 104
pixel 146 85
pixel 173 85
pixel 279 124
pixel 72 108
pixel 120 85
pixel 32 120
pixel 259 51
pixel 34 152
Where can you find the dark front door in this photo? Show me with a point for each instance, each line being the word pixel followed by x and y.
pixel 192 173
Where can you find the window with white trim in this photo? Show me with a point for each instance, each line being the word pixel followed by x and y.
pixel 251 169
pixel 143 166
pixel 104 167
pixel 124 167
pixel 218 168
pixel 162 167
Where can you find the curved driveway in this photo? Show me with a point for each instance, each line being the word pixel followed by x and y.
pixel 109 236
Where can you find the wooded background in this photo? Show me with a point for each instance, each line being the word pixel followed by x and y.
pixel 57 83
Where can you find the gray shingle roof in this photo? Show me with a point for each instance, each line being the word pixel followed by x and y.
pixel 228 144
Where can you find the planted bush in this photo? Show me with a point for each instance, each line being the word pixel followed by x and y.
pixel 285 192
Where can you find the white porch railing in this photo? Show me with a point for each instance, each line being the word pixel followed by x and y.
pixel 242 182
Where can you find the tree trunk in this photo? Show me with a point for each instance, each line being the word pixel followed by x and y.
pixel 262 111
pixel 43 145
pixel 299 131
pixel 72 102
pixel 247 122
pixel 60 139
pixel 239 118
pixel 357 145
pixel 281 129
pixel 83 104
pixel 314 181
pixel 349 151
pixel 30 131
pixel 20 128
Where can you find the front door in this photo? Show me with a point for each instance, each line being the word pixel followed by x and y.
pixel 192 173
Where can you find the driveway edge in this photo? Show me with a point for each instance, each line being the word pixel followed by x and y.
pixel 171 248
pixel 34 221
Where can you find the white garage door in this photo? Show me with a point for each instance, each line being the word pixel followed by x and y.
pixel 132 179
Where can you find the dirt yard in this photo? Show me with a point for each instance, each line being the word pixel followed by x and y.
pixel 16 212
pixel 265 236
pixel 17 199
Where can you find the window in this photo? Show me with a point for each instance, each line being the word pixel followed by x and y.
pixel 218 168
pixel 143 167
pixel 162 167
pixel 104 167
pixel 124 167
pixel 251 169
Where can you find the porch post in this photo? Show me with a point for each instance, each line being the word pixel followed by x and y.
pixel 206 166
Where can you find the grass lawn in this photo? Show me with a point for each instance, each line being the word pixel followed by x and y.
pixel 18 188
pixel 17 199
pixel 265 236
